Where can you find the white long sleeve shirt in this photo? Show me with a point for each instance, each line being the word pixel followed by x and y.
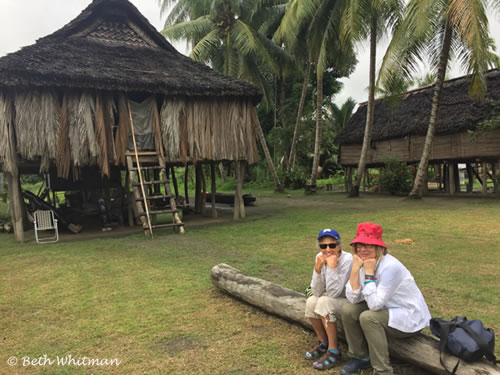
pixel 332 280
pixel 394 290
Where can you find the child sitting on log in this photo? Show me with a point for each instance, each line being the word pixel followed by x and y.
pixel 331 273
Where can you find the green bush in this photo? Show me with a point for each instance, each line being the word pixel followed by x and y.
pixel 396 177
pixel 295 179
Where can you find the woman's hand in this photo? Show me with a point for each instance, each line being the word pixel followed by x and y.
pixel 357 263
pixel 369 265
pixel 320 261
pixel 331 260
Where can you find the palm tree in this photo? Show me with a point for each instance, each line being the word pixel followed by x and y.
pixel 341 115
pixel 369 18
pixel 320 21
pixel 443 29
pixel 232 37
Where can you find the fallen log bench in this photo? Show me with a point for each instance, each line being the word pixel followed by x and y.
pixel 421 350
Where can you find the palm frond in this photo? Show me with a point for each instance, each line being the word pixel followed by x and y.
pixel 207 47
pixel 191 30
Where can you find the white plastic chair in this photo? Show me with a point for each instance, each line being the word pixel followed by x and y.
pixel 45 221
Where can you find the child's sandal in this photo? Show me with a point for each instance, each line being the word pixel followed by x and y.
pixel 316 352
pixel 327 361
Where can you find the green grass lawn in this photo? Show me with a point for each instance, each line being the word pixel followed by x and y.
pixel 151 304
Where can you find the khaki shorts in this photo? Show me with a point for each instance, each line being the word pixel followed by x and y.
pixel 324 306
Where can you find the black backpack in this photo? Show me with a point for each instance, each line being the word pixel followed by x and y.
pixel 465 339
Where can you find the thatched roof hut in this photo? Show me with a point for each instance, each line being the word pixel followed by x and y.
pixel 399 130
pixel 67 101
pixel 71 88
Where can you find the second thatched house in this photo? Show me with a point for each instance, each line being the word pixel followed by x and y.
pixel 399 131
pixel 67 102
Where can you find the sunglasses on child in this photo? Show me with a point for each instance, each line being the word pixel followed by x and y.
pixel 323 246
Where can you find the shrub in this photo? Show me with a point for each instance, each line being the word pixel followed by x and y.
pixel 295 179
pixel 396 177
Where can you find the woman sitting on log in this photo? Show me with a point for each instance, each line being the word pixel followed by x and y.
pixel 331 272
pixel 384 301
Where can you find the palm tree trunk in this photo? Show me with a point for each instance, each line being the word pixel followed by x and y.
pixel 369 112
pixel 416 191
pixel 317 141
pixel 293 150
pixel 262 139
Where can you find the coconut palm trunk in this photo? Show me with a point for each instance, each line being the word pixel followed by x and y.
pixel 416 191
pixel 317 140
pixel 293 149
pixel 270 164
pixel 369 112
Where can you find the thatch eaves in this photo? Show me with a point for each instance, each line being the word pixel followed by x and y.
pixel 111 46
pixel 458 112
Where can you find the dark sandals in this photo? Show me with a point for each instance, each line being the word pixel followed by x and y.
pixel 316 352
pixel 327 361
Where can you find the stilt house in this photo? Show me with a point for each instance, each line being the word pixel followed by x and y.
pixel 82 100
pixel 399 131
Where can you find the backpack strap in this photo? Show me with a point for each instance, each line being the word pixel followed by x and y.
pixel 445 330
pixel 483 346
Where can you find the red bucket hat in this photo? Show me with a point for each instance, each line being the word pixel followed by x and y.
pixel 370 234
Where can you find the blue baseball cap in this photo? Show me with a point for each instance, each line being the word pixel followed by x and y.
pixel 329 232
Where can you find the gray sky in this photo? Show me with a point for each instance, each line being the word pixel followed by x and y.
pixel 22 22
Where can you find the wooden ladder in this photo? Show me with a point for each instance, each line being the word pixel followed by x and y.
pixel 148 173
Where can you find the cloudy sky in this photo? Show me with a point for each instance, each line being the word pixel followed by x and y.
pixel 22 22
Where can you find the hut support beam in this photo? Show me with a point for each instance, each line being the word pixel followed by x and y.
pixel 186 178
pixel 212 178
pixel 470 176
pixel 197 195
pixel 484 177
pixel 239 204
pixel 451 179
pixel 174 181
pixel 16 205
pixel 456 175
pixel 496 175
pixel 425 186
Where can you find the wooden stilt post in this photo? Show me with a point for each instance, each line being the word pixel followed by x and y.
pixel 451 179
pixel 470 176
pixel 174 181
pixel 203 189
pixel 239 204
pixel 425 187
pixel 496 175
pixel 484 177
pixel 186 178
pixel 456 175
pixel 240 182
pixel 197 194
pixel 16 205
pixel 236 206
pixel 212 175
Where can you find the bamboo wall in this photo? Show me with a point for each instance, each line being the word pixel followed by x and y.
pixel 455 146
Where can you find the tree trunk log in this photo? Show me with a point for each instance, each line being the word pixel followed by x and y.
pixel 420 350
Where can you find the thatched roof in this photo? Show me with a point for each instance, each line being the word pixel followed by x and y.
pixel 111 46
pixel 458 112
